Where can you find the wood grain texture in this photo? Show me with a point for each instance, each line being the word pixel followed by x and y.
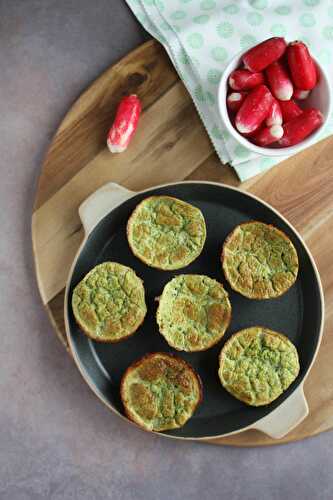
pixel 171 145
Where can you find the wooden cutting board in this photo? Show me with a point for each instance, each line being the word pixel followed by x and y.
pixel 171 145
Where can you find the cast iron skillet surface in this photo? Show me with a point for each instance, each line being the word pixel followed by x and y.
pixel 297 313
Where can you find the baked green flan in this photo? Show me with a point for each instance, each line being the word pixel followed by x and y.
pixel 259 261
pixel 194 312
pixel 257 365
pixel 109 303
pixel 160 392
pixel 166 233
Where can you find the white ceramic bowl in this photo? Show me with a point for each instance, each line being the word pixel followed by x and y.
pixel 320 98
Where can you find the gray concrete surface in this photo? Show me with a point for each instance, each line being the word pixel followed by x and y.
pixel 56 440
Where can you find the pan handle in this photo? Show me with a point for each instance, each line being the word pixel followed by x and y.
pixel 287 416
pixel 101 202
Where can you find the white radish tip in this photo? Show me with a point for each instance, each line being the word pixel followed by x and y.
pixel 301 94
pixel 115 148
pixel 243 129
pixel 234 97
pixel 285 93
pixel 274 120
pixel 276 131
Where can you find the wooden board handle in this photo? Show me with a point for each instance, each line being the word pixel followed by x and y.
pixel 100 203
pixel 287 416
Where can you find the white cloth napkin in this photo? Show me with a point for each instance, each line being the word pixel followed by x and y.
pixel 201 36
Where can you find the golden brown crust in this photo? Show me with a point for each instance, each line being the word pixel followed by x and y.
pixel 106 341
pixel 228 317
pixel 198 317
pixel 260 293
pixel 240 332
pixel 180 253
pixel 108 303
pixel 255 368
pixel 179 372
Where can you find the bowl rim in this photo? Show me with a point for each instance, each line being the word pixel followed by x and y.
pixel 264 151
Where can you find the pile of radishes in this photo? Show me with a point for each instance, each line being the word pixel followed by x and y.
pixel 261 102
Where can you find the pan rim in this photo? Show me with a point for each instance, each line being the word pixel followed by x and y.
pixel 93 386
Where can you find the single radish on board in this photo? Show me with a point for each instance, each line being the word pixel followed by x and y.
pixel 264 54
pixel 302 67
pixel 289 110
pixel 235 100
pixel 297 129
pixel 125 124
pixel 279 81
pixel 268 135
pixel 254 109
pixel 242 79
pixel 274 116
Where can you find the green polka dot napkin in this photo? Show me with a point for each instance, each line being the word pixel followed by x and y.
pixel 201 36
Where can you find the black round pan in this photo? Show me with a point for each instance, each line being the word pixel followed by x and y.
pixel 298 313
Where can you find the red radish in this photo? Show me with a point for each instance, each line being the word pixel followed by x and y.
pixel 268 135
pixel 264 54
pixel 302 67
pixel 301 94
pixel 254 109
pixel 124 124
pixel 289 110
pixel 279 81
pixel 235 99
pixel 242 79
pixel 274 116
pixel 297 129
